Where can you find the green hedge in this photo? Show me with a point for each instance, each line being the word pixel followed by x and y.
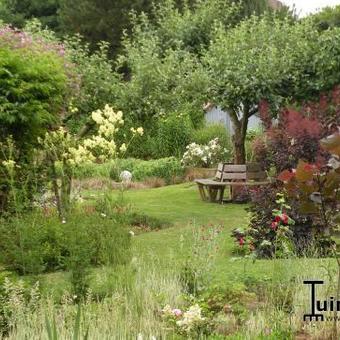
pixel 93 170
pixel 205 134
pixel 36 243
pixel 166 168
pixel 33 86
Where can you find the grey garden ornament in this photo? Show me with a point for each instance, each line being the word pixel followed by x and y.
pixel 125 176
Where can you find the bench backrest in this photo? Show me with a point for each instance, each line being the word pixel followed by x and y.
pixel 246 172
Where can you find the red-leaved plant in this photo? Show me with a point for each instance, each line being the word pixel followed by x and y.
pixel 296 133
pixel 317 187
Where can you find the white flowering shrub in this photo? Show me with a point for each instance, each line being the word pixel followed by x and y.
pixel 198 155
pixel 190 323
pixel 191 319
pixel 65 152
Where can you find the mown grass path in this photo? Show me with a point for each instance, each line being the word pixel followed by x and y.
pixel 181 205
pixel 169 248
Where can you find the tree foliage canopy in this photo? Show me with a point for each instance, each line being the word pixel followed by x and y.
pixel 16 12
pixel 163 57
pixel 266 58
pixel 327 18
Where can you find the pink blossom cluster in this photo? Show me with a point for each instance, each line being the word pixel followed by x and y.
pixel 284 218
pixel 14 38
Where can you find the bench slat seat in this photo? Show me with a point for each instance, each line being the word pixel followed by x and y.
pixel 211 182
pixel 231 175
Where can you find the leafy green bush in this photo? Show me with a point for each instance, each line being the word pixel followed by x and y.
pixel 33 83
pixel 142 147
pixel 93 170
pixel 166 168
pixel 172 135
pixel 33 87
pixel 94 69
pixel 36 243
pixel 252 135
pixel 209 132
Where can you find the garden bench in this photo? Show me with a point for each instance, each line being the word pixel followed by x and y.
pixel 231 175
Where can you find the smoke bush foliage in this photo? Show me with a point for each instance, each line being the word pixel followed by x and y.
pixel 293 142
pixel 295 136
pixel 297 132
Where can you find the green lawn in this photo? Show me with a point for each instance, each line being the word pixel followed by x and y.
pixel 181 205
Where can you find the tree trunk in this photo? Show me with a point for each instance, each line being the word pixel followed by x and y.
pixel 66 183
pixel 239 147
pixel 240 132
pixel 56 191
pixel 239 138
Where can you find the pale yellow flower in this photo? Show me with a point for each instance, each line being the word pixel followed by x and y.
pixel 97 117
pixel 9 164
pixel 122 148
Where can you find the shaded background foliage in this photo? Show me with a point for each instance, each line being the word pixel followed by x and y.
pixel 95 20
pixel 172 59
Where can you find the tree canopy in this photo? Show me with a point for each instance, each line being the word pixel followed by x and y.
pixel 163 53
pixel 269 59
pixel 98 20
pixel 16 12
pixel 328 17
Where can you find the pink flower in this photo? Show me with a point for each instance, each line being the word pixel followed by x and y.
pixel 177 312
pixel 274 225
pixel 241 241
pixel 277 219
pixel 284 218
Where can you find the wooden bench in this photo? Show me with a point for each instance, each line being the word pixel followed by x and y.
pixel 230 175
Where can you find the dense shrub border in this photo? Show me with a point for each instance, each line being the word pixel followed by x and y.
pixel 168 169
pixel 37 243
pixel 35 83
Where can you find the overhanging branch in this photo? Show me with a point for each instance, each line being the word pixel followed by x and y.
pixel 234 118
pixel 253 111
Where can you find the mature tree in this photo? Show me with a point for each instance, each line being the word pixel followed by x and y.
pixel 162 57
pixel 163 54
pixel 269 59
pixel 16 12
pixel 328 17
pixel 250 7
pixel 105 20
pixel 101 20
